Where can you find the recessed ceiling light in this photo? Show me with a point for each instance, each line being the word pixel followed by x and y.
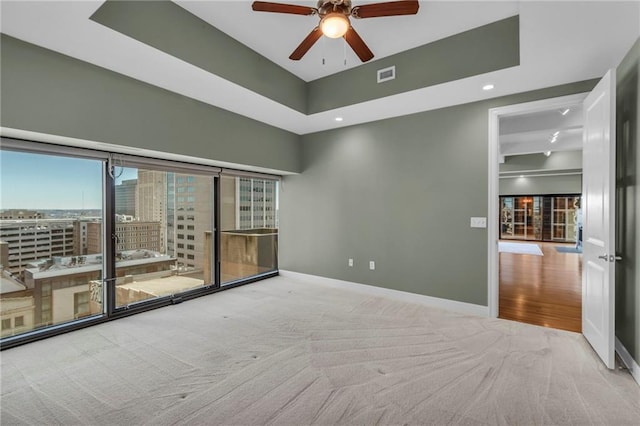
pixel 565 111
pixel 556 133
pixel 338 118
pixel 487 87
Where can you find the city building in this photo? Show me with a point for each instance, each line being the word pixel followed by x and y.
pixel 151 201
pixel 17 306
pixel 248 203
pixel 126 196
pixel 31 239
pixel 20 214
pixel 130 236
pixel 67 288
pixel 191 220
pixel 256 203
pixel 80 239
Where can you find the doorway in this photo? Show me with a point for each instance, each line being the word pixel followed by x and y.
pixel 534 218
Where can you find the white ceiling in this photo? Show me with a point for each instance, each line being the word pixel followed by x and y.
pixel 560 42
pixel 276 35
pixel 532 133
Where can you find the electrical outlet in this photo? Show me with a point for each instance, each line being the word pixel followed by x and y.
pixel 350 262
pixel 372 265
pixel 478 222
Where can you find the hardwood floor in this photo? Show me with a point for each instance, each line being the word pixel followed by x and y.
pixel 542 290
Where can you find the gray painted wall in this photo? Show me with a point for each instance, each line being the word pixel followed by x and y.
pixel 170 28
pixel 562 161
pixel 541 185
pixel 628 202
pixel 399 192
pixel 43 91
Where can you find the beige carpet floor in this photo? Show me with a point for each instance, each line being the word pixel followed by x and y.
pixel 289 352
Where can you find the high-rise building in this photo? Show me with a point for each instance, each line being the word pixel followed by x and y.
pixel 151 201
pixel 255 203
pixel 126 197
pixel 32 239
pixel 80 233
pixel 191 218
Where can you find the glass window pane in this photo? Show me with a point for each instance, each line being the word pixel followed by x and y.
pixel 48 204
pixel 150 253
pixel 249 223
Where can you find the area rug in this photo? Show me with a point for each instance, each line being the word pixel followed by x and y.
pixel 568 249
pixel 519 248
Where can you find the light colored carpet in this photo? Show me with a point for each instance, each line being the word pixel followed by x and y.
pixel 290 352
pixel 519 248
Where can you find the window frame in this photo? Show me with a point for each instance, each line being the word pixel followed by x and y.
pixel 110 159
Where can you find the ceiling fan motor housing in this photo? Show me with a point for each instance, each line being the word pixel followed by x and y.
pixel 334 6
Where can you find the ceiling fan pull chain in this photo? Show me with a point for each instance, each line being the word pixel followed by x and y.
pixel 323 51
pixel 344 50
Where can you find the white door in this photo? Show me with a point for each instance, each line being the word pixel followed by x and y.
pixel 598 198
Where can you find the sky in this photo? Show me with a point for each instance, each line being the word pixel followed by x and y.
pixel 48 182
pixel 35 181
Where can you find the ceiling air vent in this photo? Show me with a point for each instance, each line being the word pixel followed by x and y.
pixel 386 74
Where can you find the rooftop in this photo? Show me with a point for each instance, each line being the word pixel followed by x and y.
pixel 8 284
pixel 59 266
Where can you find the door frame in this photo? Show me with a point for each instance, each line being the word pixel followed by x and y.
pixel 494 161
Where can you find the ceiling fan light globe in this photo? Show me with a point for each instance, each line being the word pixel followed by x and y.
pixel 334 25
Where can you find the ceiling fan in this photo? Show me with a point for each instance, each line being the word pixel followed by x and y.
pixel 334 20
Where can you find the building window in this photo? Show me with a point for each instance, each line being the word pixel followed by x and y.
pixel 81 304
pixel 6 324
pixel 19 321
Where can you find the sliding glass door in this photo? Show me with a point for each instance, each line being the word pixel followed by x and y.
pixel 540 218
pixel 249 225
pixel 50 208
pixel 164 233
pixel 87 235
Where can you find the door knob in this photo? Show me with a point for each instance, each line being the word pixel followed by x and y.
pixel 603 257
pixel 613 258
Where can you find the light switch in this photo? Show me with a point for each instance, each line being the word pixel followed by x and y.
pixel 372 265
pixel 478 222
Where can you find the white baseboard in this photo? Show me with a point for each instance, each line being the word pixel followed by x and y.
pixel 435 302
pixel 629 362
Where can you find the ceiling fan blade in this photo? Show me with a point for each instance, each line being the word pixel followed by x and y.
pixel 358 45
pixel 265 6
pixel 392 8
pixel 306 44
